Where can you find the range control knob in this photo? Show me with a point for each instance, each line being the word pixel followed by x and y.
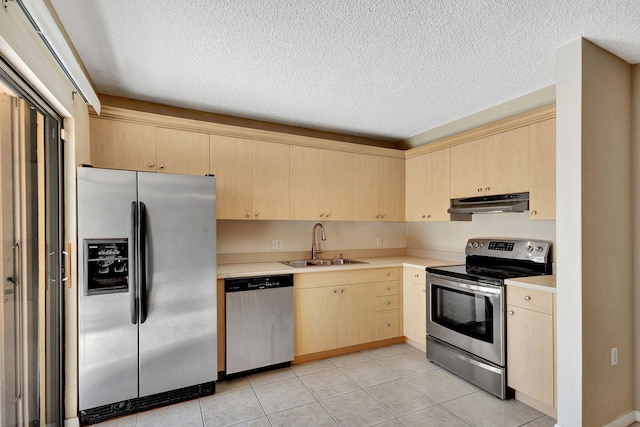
pixel 481 245
pixel 539 249
pixel 475 245
pixel 529 248
pixel 470 245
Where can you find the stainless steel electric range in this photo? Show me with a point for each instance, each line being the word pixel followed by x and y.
pixel 466 307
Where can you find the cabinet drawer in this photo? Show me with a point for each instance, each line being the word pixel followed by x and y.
pixel 530 299
pixel 339 278
pixel 415 275
pixel 387 302
pixel 386 288
pixel 387 324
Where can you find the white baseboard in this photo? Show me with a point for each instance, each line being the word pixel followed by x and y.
pixel 625 420
pixel 72 422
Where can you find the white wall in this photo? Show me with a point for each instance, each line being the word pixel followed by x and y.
pixel 255 236
pixel 453 236
pixel 24 50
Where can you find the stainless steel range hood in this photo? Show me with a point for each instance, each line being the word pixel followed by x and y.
pixel 462 209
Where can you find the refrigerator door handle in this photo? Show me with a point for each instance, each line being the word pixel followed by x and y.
pixel 133 288
pixel 142 261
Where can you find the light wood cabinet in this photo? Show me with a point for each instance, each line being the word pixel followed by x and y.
pixel 427 187
pixel 542 182
pixel 122 145
pixel 497 164
pixel 338 309
pixel 414 303
pixel 378 188
pixel 321 184
pixel 531 343
pixel 252 178
pixel 180 151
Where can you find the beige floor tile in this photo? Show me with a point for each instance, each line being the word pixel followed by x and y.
pixel 380 352
pixel 229 386
pixel 391 423
pixel 271 376
pixel 547 421
pixel 312 367
pixel 512 405
pixel 231 408
pixel 187 414
pixel 399 397
pixel 349 359
pixel 462 381
pixel 405 365
pixel 283 395
pixel 436 416
pixel 478 411
pixel 257 422
pixel 329 383
pixel 311 415
pixel 405 347
pixel 438 386
pixel 369 373
pixel 128 421
pixel 356 409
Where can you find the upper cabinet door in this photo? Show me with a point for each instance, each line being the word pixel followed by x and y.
pixel 183 152
pixel 270 178
pixel 428 186
pixel 230 162
pixel 122 145
pixel 306 192
pixel 468 169
pixel 542 149
pixel 391 191
pixel 366 178
pixel 506 160
pixel 338 180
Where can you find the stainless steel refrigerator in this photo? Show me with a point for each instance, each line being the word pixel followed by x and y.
pixel 147 289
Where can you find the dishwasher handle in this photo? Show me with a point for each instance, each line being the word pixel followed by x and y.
pixel 243 284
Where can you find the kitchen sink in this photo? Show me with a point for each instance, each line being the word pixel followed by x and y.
pixel 319 262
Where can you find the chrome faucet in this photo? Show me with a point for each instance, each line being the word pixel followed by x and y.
pixel 314 250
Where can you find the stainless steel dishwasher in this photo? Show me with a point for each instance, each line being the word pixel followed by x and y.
pixel 259 322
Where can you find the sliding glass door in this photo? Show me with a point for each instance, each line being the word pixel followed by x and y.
pixel 30 251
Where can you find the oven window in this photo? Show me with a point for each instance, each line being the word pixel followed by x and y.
pixel 463 312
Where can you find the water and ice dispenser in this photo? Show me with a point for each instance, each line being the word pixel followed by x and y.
pixel 107 266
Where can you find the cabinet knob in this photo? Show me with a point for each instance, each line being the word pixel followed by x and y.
pixel 151 165
pixel 416 275
pixel 248 214
pixel 335 291
pixel 388 274
pixel 479 190
pixel 382 216
pixel 256 214
pixel 161 166
pixel 487 189
pixel 424 216
pixel 321 215
pixel 328 215
pixel 341 291
pixel 429 216
pixel 424 290
pixel 534 213
pixel 527 298
pixel 388 324
pixel 388 288
pixel 377 216
pixel 388 302
pixel 510 313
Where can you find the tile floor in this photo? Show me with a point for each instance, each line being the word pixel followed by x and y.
pixel 390 386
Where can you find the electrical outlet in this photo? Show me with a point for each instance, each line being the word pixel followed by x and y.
pixel 276 245
pixel 378 241
pixel 614 356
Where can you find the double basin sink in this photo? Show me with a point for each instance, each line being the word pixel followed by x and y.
pixel 320 262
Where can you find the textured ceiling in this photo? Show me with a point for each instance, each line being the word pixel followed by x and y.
pixel 387 69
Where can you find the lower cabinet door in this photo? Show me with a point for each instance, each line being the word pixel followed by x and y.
pixel 356 314
pixel 530 353
pixel 316 319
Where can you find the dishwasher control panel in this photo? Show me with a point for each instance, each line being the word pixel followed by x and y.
pixel 255 283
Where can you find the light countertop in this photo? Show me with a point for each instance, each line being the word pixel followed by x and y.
pixel 539 283
pixel 269 268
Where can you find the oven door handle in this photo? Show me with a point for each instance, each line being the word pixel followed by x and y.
pixel 480 290
pixel 478 364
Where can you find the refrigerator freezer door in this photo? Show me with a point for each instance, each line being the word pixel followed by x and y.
pixel 178 338
pixel 107 339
